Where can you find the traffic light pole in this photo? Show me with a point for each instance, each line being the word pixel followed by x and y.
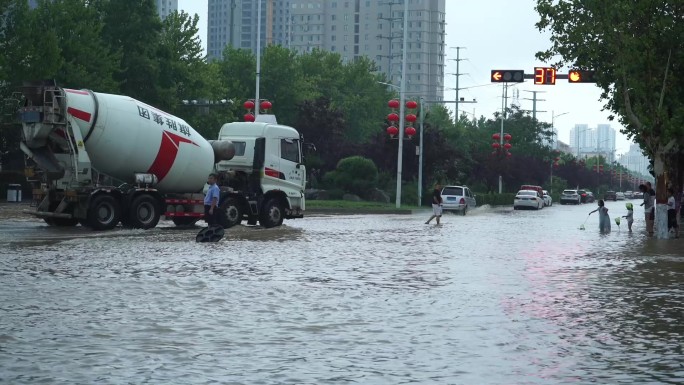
pixel 504 95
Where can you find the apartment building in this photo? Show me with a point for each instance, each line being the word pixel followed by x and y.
pixel 354 28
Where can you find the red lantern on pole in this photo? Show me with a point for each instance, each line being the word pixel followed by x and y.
pixel 507 146
pixel 496 145
pixel 249 105
pixel 507 137
pixel 249 117
pixel 411 118
pixel 411 104
pixel 410 131
pixel 392 131
pixel 508 154
pixel 393 117
pixel 496 136
pixel 394 104
pixel 266 105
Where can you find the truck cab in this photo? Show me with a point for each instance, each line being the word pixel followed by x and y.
pixel 266 178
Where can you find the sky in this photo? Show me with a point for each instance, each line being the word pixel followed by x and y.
pixel 499 34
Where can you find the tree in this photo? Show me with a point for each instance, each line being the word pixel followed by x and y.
pixel 637 50
pixel 180 60
pixel 85 60
pixel 132 29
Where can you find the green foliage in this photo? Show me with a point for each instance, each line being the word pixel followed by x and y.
pixel 355 174
pixel 637 50
pixel 132 29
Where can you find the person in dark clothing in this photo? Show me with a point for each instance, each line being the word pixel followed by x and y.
pixel 211 201
pixel 672 225
pixel 436 204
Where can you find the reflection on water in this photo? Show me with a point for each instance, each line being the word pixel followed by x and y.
pixel 497 296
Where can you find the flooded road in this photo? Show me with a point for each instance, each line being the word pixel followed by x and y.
pixel 495 297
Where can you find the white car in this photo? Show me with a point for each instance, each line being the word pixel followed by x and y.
pixel 457 198
pixel 570 196
pixel 548 201
pixel 620 196
pixel 528 199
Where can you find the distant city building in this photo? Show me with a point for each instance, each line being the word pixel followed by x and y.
pixel 371 28
pixel 635 160
pixel 166 7
pixel 588 142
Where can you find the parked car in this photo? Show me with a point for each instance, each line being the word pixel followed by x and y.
pixel 538 189
pixel 638 195
pixel 548 201
pixel 610 196
pixel 570 196
pixel 620 196
pixel 528 199
pixel 586 196
pixel 629 194
pixel 458 198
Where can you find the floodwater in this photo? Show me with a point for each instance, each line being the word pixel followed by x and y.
pixel 495 297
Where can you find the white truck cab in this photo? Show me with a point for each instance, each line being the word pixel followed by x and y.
pixel 266 178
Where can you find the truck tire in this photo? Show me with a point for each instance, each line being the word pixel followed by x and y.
pixel 272 214
pixel 230 213
pixel 104 212
pixel 144 212
pixel 184 221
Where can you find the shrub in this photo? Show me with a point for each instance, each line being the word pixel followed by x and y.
pixel 494 199
pixel 355 175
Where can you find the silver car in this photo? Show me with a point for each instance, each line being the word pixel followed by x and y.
pixel 458 198
pixel 570 196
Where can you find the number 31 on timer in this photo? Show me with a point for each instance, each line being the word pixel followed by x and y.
pixel 544 76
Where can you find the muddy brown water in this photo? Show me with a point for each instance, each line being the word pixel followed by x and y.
pixel 495 297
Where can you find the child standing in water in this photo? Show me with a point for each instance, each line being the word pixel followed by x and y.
pixel 629 216
pixel 604 219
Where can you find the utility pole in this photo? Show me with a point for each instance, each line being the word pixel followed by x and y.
pixel 534 105
pixel 458 75
pixel 504 99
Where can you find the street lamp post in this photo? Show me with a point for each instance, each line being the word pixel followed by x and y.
pixel 402 102
pixel 554 145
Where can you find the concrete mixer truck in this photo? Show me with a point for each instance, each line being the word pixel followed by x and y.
pixel 100 159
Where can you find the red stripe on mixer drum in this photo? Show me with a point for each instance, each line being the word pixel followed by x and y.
pixel 79 114
pixel 76 91
pixel 168 150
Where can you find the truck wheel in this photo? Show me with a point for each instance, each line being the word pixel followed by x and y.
pixel 103 213
pixel 271 214
pixel 230 214
pixel 184 221
pixel 144 212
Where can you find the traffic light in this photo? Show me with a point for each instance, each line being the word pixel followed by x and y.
pixel 580 76
pixel 508 76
